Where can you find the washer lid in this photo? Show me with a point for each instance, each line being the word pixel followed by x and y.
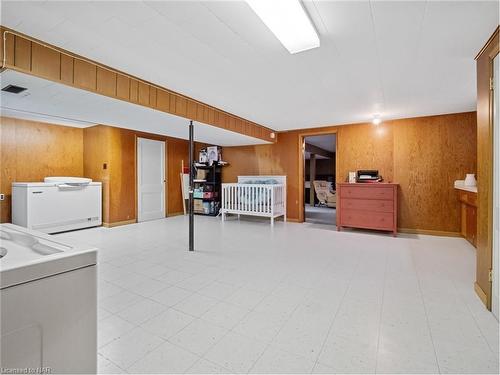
pixel 29 255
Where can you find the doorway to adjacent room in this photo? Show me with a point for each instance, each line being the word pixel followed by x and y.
pixel 320 199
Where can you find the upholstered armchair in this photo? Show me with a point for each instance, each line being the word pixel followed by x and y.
pixel 324 195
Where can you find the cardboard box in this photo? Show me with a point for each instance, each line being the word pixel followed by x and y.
pixel 198 205
pixel 201 174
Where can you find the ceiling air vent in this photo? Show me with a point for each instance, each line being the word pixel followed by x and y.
pixel 14 89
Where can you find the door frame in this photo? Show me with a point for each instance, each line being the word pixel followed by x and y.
pixel 301 148
pixel 489 248
pixel 484 70
pixel 495 178
pixel 165 172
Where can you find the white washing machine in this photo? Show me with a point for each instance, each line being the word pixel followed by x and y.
pixel 48 304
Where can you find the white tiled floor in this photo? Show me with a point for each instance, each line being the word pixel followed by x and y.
pixel 293 299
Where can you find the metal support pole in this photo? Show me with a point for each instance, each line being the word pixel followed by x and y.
pixel 191 188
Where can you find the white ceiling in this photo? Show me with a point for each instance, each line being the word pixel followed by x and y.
pixel 326 141
pixel 396 58
pixel 56 103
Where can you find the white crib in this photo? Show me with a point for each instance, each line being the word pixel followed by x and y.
pixel 253 196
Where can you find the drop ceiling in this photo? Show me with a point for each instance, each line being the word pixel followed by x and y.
pixel 55 103
pixel 395 58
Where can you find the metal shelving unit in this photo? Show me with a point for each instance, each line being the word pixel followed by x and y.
pixel 208 206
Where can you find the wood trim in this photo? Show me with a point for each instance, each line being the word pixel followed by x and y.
pixel 122 87
pixel 175 214
pixel 481 294
pixel 301 148
pixel 143 94
pixel 136 178
pixel 85 75
pixel 22 53
pixel 46 62
pixel 488 43
pixel 134 91
pixel 163 100
pixel 427 232
pixel 67 69
pixel 118 223
pixel 152 96
pixel 106 82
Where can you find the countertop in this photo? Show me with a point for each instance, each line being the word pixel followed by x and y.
pixel 460 184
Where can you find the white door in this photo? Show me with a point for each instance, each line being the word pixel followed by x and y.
pixel 496 187
pixel 150 179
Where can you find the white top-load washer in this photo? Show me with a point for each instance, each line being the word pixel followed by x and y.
pixel 48 304
pixel 58 204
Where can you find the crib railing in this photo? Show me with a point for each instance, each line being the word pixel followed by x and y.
pixel 253 199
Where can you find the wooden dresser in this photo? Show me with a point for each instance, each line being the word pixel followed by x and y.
pixel 368 205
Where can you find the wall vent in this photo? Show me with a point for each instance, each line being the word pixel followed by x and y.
pixel 13 89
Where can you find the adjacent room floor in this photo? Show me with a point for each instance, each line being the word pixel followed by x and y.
pixel 293 299
pixel 320 215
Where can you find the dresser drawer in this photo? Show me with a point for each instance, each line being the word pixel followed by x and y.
pixel 374 205
pixel 372 220
pixel 367 192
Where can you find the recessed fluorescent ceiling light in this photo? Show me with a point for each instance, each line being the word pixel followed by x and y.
pixel 288 20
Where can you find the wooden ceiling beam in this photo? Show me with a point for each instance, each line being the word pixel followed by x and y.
pixel 35 57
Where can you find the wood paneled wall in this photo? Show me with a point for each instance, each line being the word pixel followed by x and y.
pixel 430 153
pixel 116 147
pixel 96 156
pixel 424 155
pixel 484 62
pixel 30 151
pixel 364 146
pixel 31 56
